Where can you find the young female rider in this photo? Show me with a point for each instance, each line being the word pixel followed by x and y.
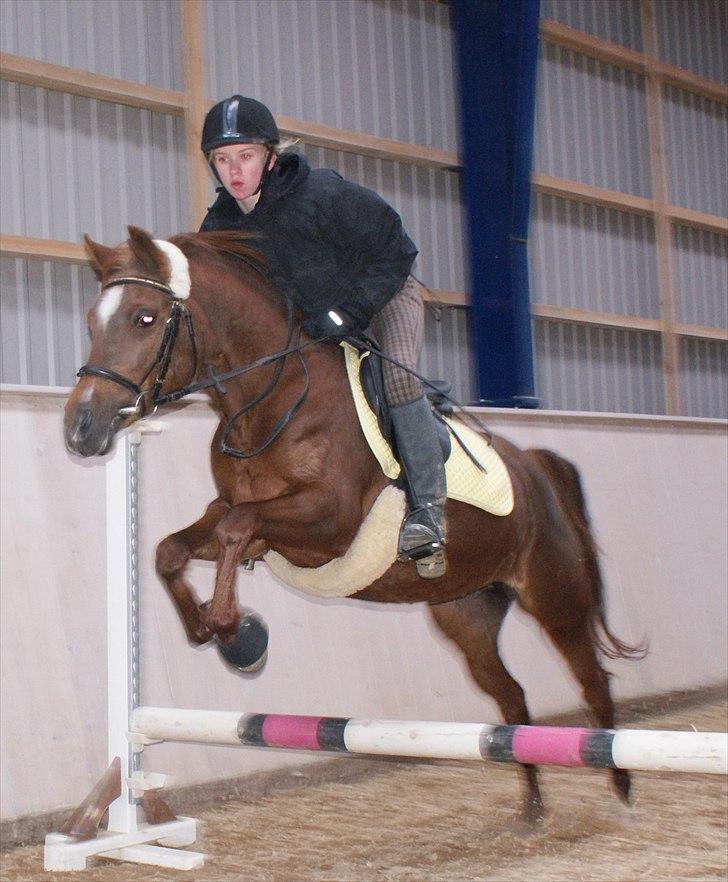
pixel 342 255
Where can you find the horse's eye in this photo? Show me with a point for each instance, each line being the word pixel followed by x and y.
pixel 145 320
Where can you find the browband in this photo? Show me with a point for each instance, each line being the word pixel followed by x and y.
pixel 145 283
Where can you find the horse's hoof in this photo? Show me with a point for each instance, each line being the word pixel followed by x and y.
pixel 248 650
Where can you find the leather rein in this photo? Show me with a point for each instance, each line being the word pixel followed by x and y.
pixel 163 358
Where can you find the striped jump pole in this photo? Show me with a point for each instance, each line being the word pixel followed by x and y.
pixel 633 749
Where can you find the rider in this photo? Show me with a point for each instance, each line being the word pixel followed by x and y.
pixel 342 255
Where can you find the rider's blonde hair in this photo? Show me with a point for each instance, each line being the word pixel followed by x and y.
pixel 285 145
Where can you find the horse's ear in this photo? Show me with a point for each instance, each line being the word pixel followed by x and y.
pixel 99 256
pixel 146 252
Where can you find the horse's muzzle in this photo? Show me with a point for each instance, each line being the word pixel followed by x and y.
pixel 86 435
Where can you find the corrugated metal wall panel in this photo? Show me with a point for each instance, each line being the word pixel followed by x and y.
pixel 589 257
pixel 43 314
pixel 702 50
pixel 75 165
pixel 428 201
pixel 384 68
pixel 448 352
pixel 700 265
pixel 13 323
pixel 591 122
pixel 615 20
pixel 696 141
pixel 579 367
pixel 704 368
pixel 134 40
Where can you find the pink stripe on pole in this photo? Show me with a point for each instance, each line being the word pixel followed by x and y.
pixel 546 744
pixel 281 730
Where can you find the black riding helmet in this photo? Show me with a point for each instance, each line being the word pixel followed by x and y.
pixel 239 120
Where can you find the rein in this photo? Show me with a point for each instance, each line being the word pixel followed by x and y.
pixel 163 358
pixel 283 421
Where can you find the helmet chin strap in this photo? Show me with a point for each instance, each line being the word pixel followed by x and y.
pixel 265 174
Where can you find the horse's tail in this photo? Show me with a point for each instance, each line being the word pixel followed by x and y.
pixel 567 483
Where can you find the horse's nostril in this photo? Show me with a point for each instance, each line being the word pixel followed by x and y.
pixel 83 421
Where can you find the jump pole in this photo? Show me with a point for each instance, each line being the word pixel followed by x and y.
pixel 132 727
pixel 635 749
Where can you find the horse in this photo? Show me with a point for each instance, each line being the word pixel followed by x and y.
pixel 297 477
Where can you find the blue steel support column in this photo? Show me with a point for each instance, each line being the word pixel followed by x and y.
pixel 497 47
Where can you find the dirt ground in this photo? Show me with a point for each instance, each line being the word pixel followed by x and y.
pixel 432 822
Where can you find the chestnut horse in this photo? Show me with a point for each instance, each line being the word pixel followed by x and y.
pixel 201 305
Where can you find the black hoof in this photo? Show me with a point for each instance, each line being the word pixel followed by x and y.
pixel 248 650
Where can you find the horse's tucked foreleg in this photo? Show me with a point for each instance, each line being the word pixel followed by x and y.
pixel 234 533
pixel 240 533
pixel 198 541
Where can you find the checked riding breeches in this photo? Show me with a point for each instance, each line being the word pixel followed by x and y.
pixel 399 329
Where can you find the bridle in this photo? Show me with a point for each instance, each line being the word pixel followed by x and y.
pixel 162 359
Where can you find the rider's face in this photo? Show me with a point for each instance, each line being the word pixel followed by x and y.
pixel 240 167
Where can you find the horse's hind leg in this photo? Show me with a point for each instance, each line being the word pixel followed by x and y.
pixel 575 641
pixel 473 623
pixel 198 541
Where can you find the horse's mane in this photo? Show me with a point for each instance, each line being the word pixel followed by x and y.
pixel 225 242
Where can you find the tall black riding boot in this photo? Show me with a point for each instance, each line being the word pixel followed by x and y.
pixel 422 537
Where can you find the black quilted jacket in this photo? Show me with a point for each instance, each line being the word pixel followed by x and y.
pixel 328 242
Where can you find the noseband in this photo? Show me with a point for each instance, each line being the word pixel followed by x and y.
pixel 163 357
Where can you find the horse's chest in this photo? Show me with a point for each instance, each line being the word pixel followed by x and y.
pixel 246 484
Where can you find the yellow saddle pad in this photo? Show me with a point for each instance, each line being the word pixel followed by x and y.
pixel 490 490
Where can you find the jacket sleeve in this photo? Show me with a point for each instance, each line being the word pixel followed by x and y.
pixel 369 233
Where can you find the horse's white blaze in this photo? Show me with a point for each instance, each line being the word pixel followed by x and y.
pixel 108 304
pixel 179 280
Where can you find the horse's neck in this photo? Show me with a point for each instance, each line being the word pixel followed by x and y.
pixel 243 323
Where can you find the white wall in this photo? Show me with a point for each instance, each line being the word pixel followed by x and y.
pixel 657 490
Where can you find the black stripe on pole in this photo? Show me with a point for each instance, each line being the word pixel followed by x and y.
pixel 250 729
pixel 497 745
pixel 330 733
pixel 597 749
